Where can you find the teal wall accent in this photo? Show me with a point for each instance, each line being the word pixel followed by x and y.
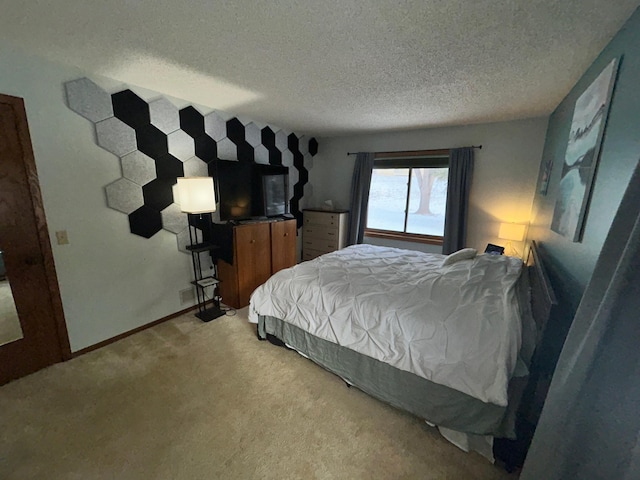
pixel 571 264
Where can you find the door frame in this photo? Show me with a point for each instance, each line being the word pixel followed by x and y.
pixel 28 160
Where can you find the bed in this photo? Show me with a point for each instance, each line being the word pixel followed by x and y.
pixel 446 338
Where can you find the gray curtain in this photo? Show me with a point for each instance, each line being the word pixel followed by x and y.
pixel 590 424
pixel 360 184
pixel 455 221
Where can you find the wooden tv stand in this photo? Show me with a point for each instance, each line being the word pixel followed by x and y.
pixel 259 249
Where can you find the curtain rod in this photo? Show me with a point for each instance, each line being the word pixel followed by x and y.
pixel 417 152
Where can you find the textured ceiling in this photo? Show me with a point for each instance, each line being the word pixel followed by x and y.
pixel 332 66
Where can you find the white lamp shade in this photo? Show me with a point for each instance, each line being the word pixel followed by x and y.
pixel 512 231
pixel 195 194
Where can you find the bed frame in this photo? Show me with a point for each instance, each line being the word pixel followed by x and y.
pixel 436 403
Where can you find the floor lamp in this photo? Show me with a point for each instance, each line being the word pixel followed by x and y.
pixel 197 198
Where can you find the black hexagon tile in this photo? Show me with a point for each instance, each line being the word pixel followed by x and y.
pixel 206 148
pixel 168 166
pixel 145 221
pixel 152 141
pixel 192 121
pixel 235 131
pixel 313 146
pixel 130 108
pixel 158 193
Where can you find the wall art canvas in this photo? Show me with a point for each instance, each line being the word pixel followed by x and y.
pixel 581 157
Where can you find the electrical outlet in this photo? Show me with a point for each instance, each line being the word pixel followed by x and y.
pixel 62 238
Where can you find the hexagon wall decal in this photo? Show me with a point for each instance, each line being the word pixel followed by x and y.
pixel 138 167
pixel 130 108
pixel 157 143
pixel 115 136
pixel 253 134
pixel 152 141
pixel 145 221
pixel 124 195
pixel 215 126
pixel 227 150
pixel 206 148
pixel 169 166
pixel 282 142
pixel 181 145
pixel 174 220
pixel 88 99
pixel 194 167
pixel 164 115
pixel 192 121
pixel 261 154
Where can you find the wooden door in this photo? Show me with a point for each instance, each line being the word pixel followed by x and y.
pixel 253 258
pixel 24 241
pixel 283 245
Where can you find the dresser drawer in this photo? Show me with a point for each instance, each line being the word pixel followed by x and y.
pixel 321 218
pixel 321 232
pixel 319 244
pixel 310 254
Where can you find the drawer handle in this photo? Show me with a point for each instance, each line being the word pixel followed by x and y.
pixel 252 241
pixel 331 234
pixel 286 234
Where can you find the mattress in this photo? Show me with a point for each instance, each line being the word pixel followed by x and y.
pixel 458 326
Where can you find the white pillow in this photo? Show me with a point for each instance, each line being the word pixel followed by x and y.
pixel 464 254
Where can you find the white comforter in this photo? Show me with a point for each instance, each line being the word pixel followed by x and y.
pixel 458 325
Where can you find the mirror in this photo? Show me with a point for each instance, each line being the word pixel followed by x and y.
pixel 10 329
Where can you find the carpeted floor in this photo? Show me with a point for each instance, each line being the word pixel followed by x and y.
pixel 189 400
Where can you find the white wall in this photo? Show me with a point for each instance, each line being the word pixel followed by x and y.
pixel 504 179
pixel 111 281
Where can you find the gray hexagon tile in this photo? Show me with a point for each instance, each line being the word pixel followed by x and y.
pixel 287 159
pixel 173 219
pixel 303 145
pixel 281 140
pixel 124 195
pixel 116 136
pixel 181 145
pixel 164 115
pixel 227 150
pixel 194 167
pixel 261 154
pixel 138 167
pixel 252 134
pixel 89 100
pixel 183 239
pixel 308 161
pixel 215 126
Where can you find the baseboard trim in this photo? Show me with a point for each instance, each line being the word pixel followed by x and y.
pixel 111 340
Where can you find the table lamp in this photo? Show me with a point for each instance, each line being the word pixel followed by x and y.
pixel 512 232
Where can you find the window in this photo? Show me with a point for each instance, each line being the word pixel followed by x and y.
pixel 407 198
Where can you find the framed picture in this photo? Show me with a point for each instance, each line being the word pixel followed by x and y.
pixel 581 157
pixel 546 175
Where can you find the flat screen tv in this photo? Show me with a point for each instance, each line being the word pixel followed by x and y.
pixel 249 190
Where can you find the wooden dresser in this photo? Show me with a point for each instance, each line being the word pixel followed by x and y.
pixel 323 231
pixel 259 250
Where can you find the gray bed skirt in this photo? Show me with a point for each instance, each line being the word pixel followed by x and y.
pixel 435 403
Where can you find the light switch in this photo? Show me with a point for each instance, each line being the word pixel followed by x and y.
pixel 62 238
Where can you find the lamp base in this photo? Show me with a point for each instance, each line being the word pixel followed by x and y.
pixel 209 314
